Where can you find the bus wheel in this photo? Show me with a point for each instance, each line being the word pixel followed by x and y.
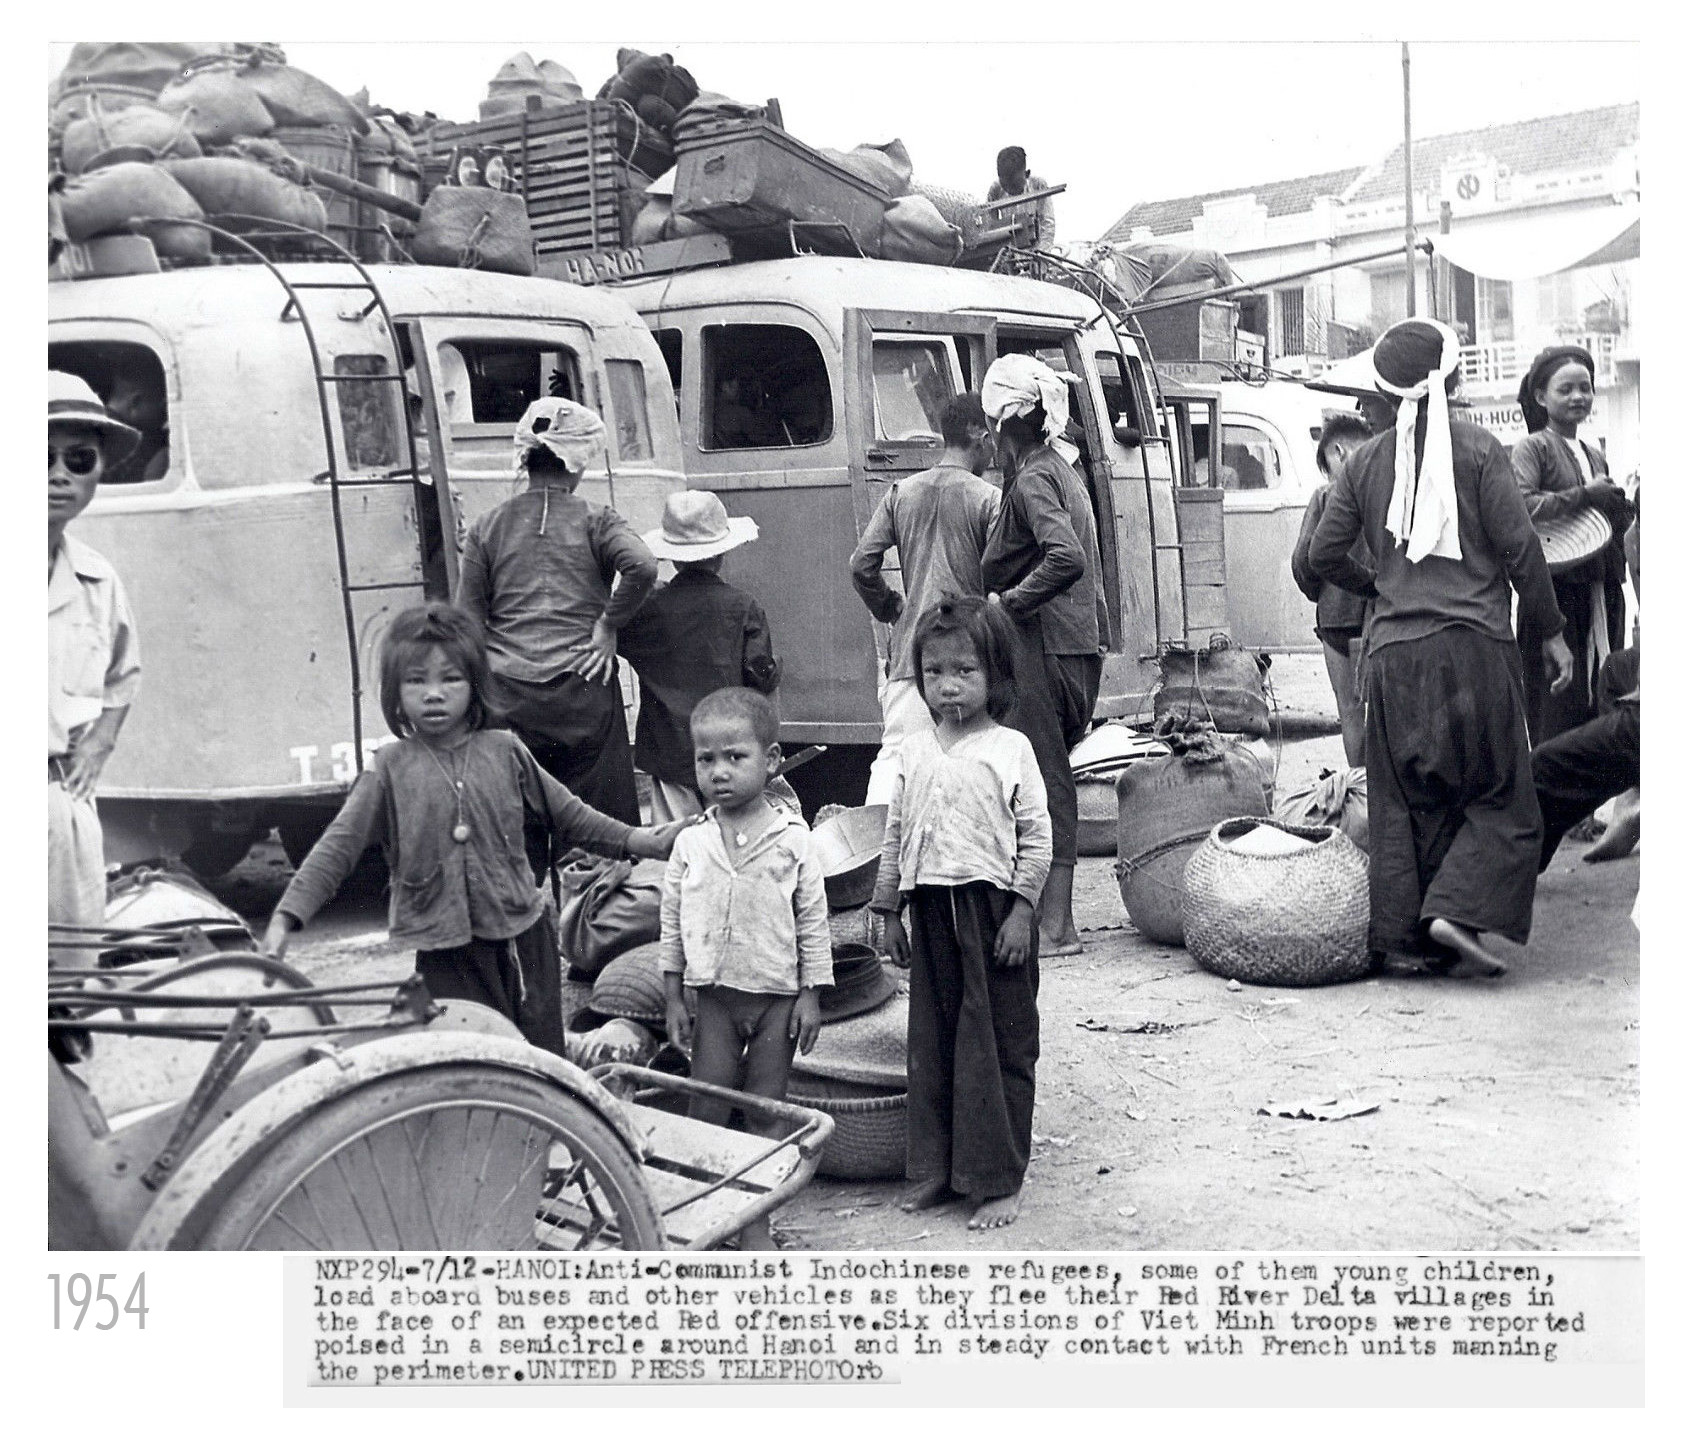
pixel 212 853
pixel 299 834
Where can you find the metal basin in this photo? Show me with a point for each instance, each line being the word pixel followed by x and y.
pixel 848 846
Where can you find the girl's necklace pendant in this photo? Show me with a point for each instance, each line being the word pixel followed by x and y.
pixel 740 840
pixel 460 834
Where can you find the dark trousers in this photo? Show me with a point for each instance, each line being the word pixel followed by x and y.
pixel 578 733
pixel 1552 714
pixel 520 977
pixel 1578 771
pixel 972 1043
pixel 741 1040
pixel 1054 698
pixel 1455 832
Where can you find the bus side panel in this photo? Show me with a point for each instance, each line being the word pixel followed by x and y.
pixel 799 571
pixel 243 643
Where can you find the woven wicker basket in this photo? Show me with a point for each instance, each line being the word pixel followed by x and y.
pixel 631 986
pixel 870 1133
pixel 1292 920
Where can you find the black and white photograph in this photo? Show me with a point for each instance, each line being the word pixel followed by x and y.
pixel 762 648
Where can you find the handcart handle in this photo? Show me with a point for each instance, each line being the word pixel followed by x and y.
pixel 815 1126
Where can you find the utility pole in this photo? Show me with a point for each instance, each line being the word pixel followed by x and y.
pixel 1407 158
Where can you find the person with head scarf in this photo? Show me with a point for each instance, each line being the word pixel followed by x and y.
pixel 1560 475
pixel 1455 829
pixel 1041 562
pixel 536 571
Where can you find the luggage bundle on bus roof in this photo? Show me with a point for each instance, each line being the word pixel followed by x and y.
pixel 149 143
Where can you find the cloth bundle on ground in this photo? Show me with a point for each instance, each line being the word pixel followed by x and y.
pixel 137 132
pixel 107 200
pixel 1336 800
pixel 471 227
pixel 886 167
pixel 520 84
pixel 1167 806
pixel 609 906
pixel 1221 684
pixel 656 88
pixel 915 230
pixel 227 185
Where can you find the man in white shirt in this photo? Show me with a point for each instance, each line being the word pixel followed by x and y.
pixel 938 522
pixel 93 662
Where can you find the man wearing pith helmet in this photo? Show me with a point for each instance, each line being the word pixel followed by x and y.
pixel 93 662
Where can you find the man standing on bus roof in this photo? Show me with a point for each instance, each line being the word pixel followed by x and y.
pixel 938 521
pixel 537 572
pixel 93 662
pixel 1036 218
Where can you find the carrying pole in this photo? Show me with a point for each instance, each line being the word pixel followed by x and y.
pixel 1407 161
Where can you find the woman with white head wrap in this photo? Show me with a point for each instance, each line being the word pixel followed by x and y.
pixel 1043 562
pixel 1455 830
pixel 536 572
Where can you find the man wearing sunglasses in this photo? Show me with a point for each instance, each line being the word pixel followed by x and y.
pixel 93 664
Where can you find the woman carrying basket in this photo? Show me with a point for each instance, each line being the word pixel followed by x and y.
pixel 1560 475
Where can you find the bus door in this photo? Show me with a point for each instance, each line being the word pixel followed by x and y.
pixel 901 368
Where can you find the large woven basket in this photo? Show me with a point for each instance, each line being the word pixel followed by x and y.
pixel 631 986
pixel 870 1126
pixel 1291 920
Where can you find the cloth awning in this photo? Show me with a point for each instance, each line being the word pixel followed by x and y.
pixel 1518 249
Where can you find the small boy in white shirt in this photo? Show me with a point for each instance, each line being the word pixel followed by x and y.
pixel 744 918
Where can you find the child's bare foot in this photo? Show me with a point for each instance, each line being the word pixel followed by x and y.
pixel 933 1192
pixel 996 1212
pixel 1464 941
pixel 756 1236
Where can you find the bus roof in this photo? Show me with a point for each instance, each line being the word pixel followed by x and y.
pixel 824 285
pixel 180 297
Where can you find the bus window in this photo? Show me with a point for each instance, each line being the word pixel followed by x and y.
pixel 912 382
pixel 627 406
pixel 1249 459
pixel 367 420
pixel 129 378
pixel 1117 392
pixel 503 377
pixel 670 341
pixel 765 386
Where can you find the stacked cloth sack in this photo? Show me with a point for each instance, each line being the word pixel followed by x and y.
pixel 179 147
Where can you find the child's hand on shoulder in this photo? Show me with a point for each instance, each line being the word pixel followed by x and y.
pixel 805 1025
pixel 1014 938
pixel 657 842
pixel 896 941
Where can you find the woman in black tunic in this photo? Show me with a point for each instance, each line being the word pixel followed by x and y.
pixel 1559 474
pixel 1455 829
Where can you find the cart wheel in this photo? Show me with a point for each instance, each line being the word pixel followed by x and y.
pixel 467 1156
pixel 212 853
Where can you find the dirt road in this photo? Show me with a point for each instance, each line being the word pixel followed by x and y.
pixel 1507 1117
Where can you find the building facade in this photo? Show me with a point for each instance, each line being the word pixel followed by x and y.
pixel 1536 229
